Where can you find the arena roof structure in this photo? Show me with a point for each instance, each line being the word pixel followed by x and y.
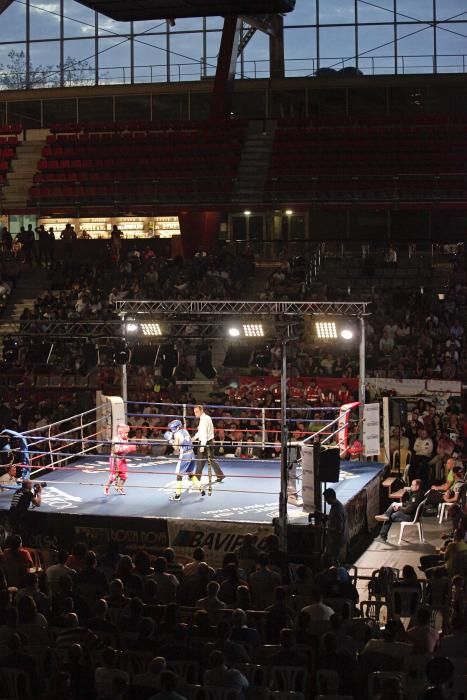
pixel 124 11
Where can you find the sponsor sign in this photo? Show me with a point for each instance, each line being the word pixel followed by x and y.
pixel 371 429
pixel 216 538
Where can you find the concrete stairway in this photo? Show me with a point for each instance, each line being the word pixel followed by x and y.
pixel 254 162
pixel 19 180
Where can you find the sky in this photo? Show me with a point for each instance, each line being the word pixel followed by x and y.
pixel 189 56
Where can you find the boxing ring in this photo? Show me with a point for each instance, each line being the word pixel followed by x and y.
pixel 72 457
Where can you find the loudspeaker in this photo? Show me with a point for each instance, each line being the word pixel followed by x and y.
pixel 329 465
pixel 398 412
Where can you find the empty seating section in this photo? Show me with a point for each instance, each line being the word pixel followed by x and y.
pixel 139 163
pixel 8 143
pixel 414 161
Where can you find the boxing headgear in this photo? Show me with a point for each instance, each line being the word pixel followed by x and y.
pixel 175 425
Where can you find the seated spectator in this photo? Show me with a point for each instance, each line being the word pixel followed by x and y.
pixel 317 611
pixel 229 584
pixel 167 584
pixel 31 588
pixel 54 572
pixel 454 645
pixel 28 615
pixel 240 631
pixel 108 563
pixel 211 601
pixel 345 643
pixel 339 585
pixel 193 587
pixel 101 625
pixel 422 635
pixel 263 582
pixel 388 645
pixel 74 633
pixel 180 648
pixel 16 562
pixel 152 677
pixel 17 658
pixel 169 683
pixel 106 674
pixel 145 638
pixel 221 676
pixel 76 560
pixel 401 512
pixel 81 673
pixel 288 654
pixel 125 571
pixel 303 582
pixel 173 566
pixel 198 556
pixel 201 628
pixel 248 553
pixel 89 581
pixel 279 615
pixel 117 597
pixel 234 652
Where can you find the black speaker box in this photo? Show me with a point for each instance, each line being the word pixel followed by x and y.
pixel 329 465
pixel 398 412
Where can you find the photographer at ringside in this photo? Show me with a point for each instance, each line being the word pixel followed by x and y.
pixel 27 495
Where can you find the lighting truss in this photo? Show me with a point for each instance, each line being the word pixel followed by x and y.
pixel 203 307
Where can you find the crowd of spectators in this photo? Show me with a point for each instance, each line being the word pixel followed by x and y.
pixel 82 624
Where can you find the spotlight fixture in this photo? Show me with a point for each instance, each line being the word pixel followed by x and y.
pixel 131 326
pixel 247 212
pixel 253 330
pixel 234 332
pixel 347 333
pixel 326 329
pixel 288 212
pixel 151 329
pixel 441 296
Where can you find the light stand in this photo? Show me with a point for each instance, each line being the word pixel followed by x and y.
pixel 284 450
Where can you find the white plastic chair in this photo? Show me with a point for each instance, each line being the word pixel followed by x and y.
pixel 416 522
pixel 288 678
pixel 15 684
pixel 377 678
pixel 443 509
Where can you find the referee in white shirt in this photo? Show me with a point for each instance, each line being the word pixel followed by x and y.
pixel 205 435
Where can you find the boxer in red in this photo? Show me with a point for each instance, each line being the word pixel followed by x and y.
pixel 117 462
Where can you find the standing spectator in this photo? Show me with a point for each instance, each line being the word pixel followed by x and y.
pixel 15 562
pixel 263 583
pixel 167 584
pixel 337 534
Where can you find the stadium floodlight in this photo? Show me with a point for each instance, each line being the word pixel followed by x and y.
pixel 151 328
pixel 131 327
pixel 234 332
pixel 326 330
pixel 247 212
pixel 253 330
pixel 347 333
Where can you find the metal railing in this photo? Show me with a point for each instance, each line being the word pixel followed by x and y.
pixel 204 68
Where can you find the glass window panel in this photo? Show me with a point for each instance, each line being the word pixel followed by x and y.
pixel 58 111
pixel 451 9
pixel 78 20
pixel 300 52
pixel 200 104
pixel 27 113
pixel 150 59
pixel 342 12
pixel 170 106
pixel 12 66
pixel 114 61
pixel 451 38
pixel 109 27
pixel 376 49
pixel 214 23
pixel 417 9
pixel 238 224
pixel 303 13
pixel 147 27
pixel 337 47
pixel 2 113
pixel 213 40
pixel 79 62
pixel 13 23
pixel 297 227
pixel 44 20
pixel 255 228
pixel 95 109
pixel 45 62
pixel 186 51
pixel 256 63
pixel 381 11
pixel 415 49
pixel 188 24
pixel 134 107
